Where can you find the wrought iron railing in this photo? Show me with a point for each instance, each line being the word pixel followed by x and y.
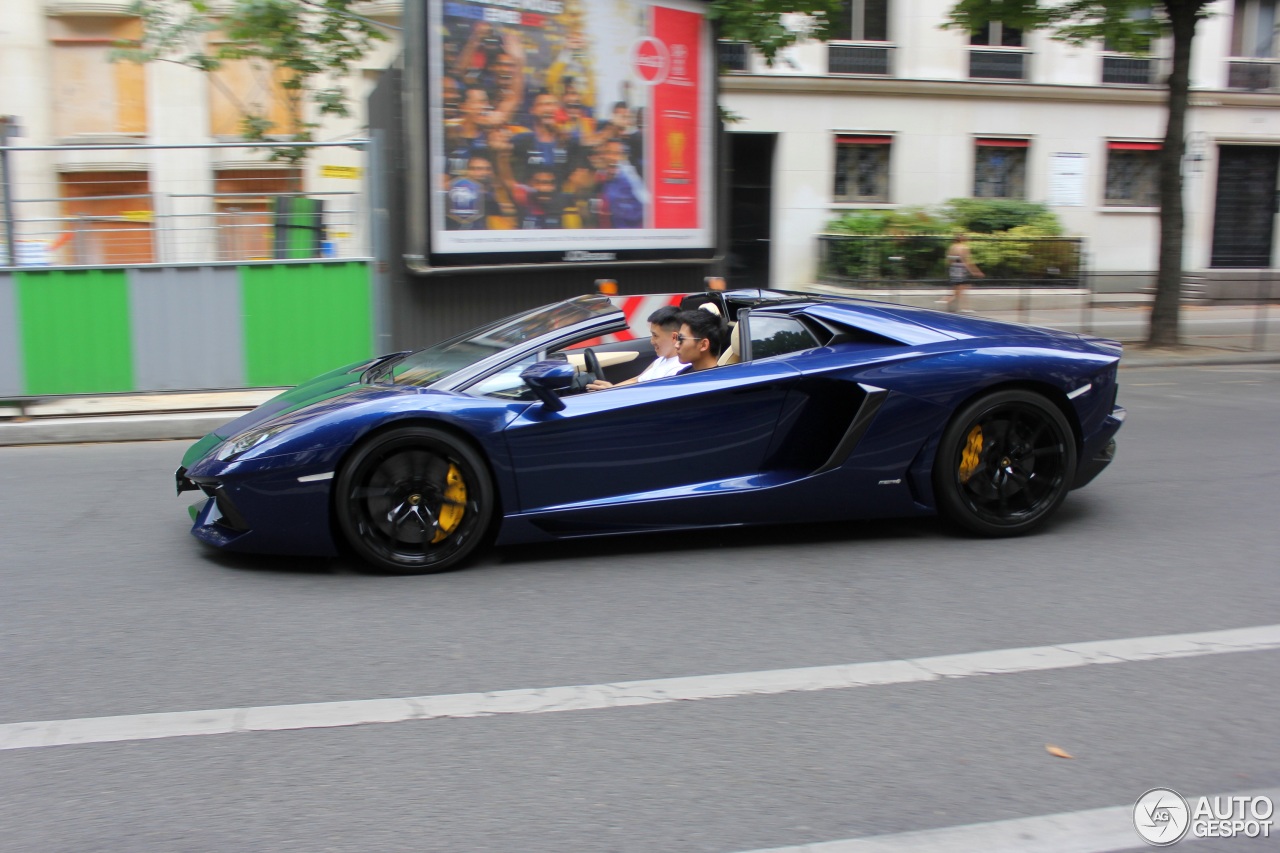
pixel 1128 70
pixel 733 56
pixel 873 59
pixel 1252 74
pixel 997 65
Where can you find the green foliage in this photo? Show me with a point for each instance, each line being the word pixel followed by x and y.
pixel 1128 25
pixel 1021 252
pixel 313 42
pixel 861 222
pixel 975 215
pixel 990 215
pixel 760 24
pixel 903 243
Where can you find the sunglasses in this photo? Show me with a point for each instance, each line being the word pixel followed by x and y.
pixel 681 339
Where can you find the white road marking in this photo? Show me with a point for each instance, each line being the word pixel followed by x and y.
pixel 321 715
pixel 1092 831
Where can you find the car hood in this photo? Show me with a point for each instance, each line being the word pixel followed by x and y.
pixel 337 388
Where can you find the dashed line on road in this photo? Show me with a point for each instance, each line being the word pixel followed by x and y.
pixel 1090 831
pixel 625 694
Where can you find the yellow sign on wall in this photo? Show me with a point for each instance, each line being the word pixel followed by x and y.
pixel 350 172
pixel 136 215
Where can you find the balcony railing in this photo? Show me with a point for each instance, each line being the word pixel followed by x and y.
pixel 997 65
pixel 733 56
pixel 1128 70
pixel 873 59
pixel 1252 74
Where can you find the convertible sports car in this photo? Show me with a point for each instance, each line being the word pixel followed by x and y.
pixel 821 409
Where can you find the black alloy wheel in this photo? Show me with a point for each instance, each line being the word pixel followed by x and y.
pixel 1005 463
pixel 414 500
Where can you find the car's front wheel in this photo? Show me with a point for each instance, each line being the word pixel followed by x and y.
pixel 414 500
pixel 1005 463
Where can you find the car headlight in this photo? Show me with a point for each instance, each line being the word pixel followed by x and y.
pixel 246 441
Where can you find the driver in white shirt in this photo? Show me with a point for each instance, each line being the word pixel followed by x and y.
pixel 664 325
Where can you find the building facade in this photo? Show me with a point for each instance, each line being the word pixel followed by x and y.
pixel 895 112
pixel 898 112
pixel 108 196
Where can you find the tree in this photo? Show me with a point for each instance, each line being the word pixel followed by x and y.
pixel 310 44
pixel 764 24
pixel 1120 22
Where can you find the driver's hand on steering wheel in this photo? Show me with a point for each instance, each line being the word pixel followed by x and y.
pixel 599 385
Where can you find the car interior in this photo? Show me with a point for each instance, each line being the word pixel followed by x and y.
pixel 769 332
pixel 780 334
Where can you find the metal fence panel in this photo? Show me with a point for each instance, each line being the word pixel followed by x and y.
pixel 186 324
pixel 303 319
pixel 10 338
pixel 132 205
pixel 75 331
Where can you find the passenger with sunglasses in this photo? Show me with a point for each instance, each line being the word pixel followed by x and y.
pixel 700 340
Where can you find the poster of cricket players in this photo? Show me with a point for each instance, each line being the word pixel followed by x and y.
pixel 570 125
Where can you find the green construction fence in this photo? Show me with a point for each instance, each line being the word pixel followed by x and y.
pixel 94 331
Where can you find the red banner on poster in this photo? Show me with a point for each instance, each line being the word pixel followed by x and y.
pixel 671 62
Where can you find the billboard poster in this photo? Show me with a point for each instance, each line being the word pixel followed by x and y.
pixel 569 130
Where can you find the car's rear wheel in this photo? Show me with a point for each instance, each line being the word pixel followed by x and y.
pixel 414 500
pixel 1005 463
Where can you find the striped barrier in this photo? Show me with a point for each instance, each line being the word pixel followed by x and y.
pixel 637 310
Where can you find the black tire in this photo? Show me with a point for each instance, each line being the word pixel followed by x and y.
pixel 1005 463
pixel 414 500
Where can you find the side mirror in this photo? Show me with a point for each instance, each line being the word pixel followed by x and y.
pixel 548 377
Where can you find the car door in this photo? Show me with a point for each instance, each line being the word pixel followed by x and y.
pixel 686 435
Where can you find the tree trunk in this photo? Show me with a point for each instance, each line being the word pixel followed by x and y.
pixel 1164 332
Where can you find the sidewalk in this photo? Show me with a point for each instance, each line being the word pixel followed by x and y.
pixel 1215 335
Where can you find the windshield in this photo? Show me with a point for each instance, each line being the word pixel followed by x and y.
pixel 430 365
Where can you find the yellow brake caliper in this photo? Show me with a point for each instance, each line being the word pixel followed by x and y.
pixel 972 454
pixel 454 505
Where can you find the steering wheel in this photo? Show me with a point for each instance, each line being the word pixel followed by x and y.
pixel 592 372
pixel 593 363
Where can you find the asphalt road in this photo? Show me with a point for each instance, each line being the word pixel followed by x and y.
pixel 108 607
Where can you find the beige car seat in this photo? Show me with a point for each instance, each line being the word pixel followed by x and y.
pixel 733 352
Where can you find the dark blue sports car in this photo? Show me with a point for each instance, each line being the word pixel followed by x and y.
pixel 821 409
